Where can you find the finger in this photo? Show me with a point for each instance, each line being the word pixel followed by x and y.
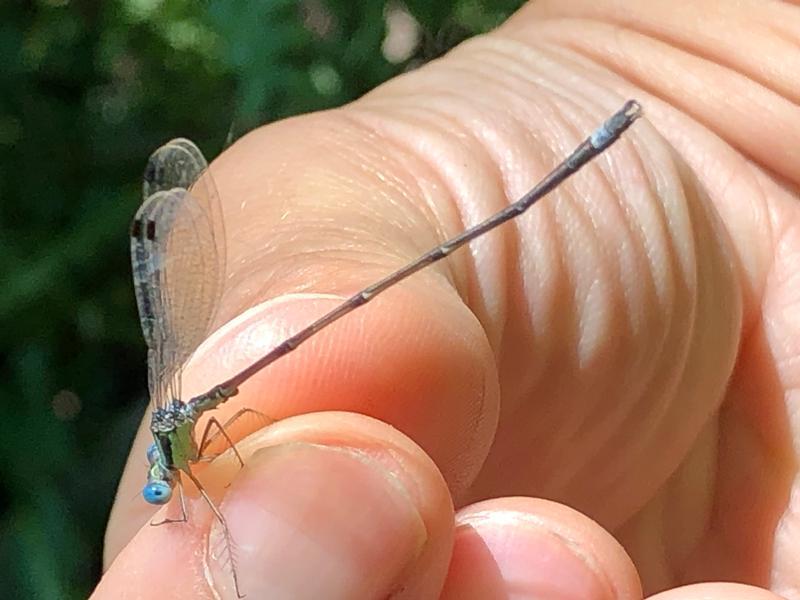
pixel 330 505
pixel 716 591
pixel 529 548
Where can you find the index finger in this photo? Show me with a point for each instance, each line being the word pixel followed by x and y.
pixel 328 505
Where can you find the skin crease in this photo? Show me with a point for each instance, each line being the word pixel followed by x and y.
pixel 629 349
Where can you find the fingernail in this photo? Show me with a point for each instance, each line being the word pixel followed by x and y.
pixel 314 521
pixel 528 560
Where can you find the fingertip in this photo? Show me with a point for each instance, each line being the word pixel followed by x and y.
pixel 417 359
pixel 536 548
pixel 328 505
pixel 717 591
pixel 342 496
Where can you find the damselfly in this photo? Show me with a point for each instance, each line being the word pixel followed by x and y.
pixel 178 254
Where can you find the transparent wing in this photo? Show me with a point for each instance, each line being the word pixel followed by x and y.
pixel 180 164
pixel 177 238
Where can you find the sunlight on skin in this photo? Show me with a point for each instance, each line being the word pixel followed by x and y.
pixel 640 327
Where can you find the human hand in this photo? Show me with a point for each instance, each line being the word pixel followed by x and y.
pixel 630 348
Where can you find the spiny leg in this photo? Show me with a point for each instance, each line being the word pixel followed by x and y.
pixel 213 421
pixel 225 531
pixel 206 440
pixel 183 518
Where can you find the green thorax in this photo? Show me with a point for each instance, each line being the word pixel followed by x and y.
pixel 182 445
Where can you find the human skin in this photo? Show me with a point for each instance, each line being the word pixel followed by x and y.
pixel 629 349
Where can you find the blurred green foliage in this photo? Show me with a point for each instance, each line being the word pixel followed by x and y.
pixel 87 90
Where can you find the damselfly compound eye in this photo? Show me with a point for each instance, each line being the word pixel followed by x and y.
pixel 157 492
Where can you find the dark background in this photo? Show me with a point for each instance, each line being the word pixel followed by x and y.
pixel 87 90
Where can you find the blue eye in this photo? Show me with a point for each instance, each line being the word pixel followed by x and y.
pixel 153 454
pixel 157 492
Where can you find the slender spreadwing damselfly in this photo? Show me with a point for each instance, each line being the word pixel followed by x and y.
pixel 178 255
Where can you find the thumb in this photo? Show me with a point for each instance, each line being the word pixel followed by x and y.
pixel 320 206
